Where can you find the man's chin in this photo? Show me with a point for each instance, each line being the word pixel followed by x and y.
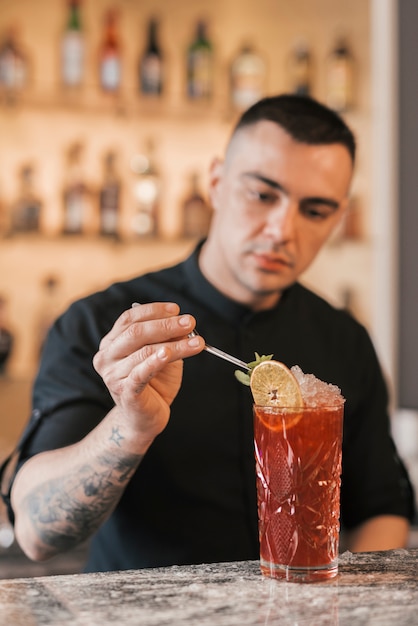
pixel 275 285
pixel 271 291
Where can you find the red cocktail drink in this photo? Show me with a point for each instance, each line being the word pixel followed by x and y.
pixel 298 464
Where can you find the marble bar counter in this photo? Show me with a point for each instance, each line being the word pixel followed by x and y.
pixel 379 588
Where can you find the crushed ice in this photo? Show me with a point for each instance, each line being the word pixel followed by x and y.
pixel 314 391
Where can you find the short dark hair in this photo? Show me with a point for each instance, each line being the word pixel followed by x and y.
pixel 305 119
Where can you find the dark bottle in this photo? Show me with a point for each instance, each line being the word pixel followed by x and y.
pixel 340 78
pixel 109 198
pixel 6 337
pixel 110 55
pixel 13 67
pixel 349 301
pixel 196 212
pixel 25 217
pixel 300 69
pixel 49 308
pixel 146 192
pixel 72 47
pixel 200 65
pixel 151 64
pixel 76 195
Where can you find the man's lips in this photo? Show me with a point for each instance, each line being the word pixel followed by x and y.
pixel 271 262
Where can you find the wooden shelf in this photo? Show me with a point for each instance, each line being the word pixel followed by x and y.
pixel 130 105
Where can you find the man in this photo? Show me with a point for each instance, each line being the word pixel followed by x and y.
pixel 152 456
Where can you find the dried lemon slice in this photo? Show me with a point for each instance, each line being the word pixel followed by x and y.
pixel 273 384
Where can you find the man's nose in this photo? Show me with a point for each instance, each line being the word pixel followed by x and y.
pixel 281 222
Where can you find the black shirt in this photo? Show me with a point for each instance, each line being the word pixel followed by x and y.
pixel 193 497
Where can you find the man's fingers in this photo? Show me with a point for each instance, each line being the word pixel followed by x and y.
pixel 140 334
pixel 143 341
pixel 140 313
pixel 149 358
pixel 147 323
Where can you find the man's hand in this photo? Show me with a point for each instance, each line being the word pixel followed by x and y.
pixel 140 361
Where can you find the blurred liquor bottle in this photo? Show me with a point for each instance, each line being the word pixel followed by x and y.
pixel 196 212
pixel 14 67
pixel 247 78
pixel 351 228
pixel 352 224
pixel 109 198
pixel 26 210
pixel 300 69
pixel 200 65
pixel 110 62
pixel 350 302
pixel 77 197
pixel 151 64
pixel 146 192
pixel 6 336
pixel 48 309
pixel 340 78
pixel 72 48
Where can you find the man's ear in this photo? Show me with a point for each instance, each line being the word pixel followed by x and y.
pixel 215 177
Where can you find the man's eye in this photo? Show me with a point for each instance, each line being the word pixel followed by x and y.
pixel 316 213
pixel 263 196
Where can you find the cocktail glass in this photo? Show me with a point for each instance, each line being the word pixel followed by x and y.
pixel 298 464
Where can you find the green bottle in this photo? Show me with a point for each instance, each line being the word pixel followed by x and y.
pixel 72 48
pixel 200 65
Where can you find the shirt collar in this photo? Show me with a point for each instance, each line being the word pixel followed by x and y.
pixel 203 291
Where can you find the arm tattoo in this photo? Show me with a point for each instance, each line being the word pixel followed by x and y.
pixel 67 510
pixel 116 436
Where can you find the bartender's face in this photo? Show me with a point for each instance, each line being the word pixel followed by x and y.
pixel 276 202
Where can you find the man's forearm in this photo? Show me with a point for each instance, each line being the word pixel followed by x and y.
pixel 62 497
pixel 67 510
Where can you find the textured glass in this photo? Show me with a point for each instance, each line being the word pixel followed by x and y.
pixel 298 463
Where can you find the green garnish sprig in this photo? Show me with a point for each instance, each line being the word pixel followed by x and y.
pixel 244 377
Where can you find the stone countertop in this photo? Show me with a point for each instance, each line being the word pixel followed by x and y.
pixel 377 588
